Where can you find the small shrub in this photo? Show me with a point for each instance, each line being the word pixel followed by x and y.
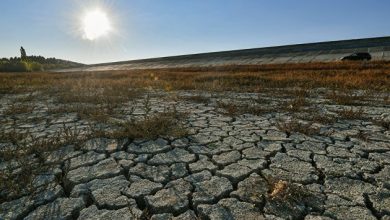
pixel 14 66
pixel 165 124
pixel 34 66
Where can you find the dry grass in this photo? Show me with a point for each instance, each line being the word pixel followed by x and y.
pixel 351 114
pixel 374 76
pixel 322 118
pixel 19 108
pixel 383 123
pixel 289 193
pixel 27 155
pixel 165 124
pixel 295 105
pixel 98 96
pixel 294 125
pixel 232 110
pixel 196 99
pixel 345 98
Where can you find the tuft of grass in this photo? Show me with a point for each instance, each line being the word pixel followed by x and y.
pixel 287 192
pixel 19 108
pixel 351 114
pixel 196 99
pixel 165 124
pixel 345 97
pixel 383 123
pixel 295 105
pixel 299 127
pixel 323 119
pixel 232 110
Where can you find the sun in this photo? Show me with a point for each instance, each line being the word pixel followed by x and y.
pixel 95 24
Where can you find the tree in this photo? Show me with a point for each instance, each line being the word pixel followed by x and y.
pixel 23 54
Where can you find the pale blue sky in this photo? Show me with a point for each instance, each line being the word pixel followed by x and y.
pixel 152 28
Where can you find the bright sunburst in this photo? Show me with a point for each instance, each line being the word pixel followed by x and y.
pixel 95 24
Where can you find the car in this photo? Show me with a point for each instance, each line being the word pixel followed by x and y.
pixel 357 56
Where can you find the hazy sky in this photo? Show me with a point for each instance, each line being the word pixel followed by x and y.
pixel 152 28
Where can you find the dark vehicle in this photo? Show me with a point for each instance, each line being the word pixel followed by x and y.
pixel 358 56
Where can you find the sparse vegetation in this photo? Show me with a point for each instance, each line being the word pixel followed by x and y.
pixel 231 109
pixel 351 114
pixel 196 99
pixel 106 99
pixel 165 124
pixel 33 64
pixel 295 125
pixel 25 153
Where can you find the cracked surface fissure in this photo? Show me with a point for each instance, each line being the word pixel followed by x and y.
pixel 211 173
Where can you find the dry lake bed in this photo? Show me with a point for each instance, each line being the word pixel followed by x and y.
pixel 102 147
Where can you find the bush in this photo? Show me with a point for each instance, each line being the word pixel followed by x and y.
pixel 34 66
pixel 18 66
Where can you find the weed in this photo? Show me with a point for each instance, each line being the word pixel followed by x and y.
pixel 351 114
pixel 383 123
pixel 165 124
pixel 232 110
pixel 18 108
pixel 345 98
pixel 287 192
pixel 28 157
pixel 295 105
pixel 296 126
pixel 229 108
pixel 323 119
pixel 147 105
pixel 196 99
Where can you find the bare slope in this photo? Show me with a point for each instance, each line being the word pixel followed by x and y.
pixel 299 53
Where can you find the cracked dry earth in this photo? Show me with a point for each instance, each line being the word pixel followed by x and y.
pixel 227 167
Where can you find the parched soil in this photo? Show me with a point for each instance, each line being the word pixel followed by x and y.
pixel 307 141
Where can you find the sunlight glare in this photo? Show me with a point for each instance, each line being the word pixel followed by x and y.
pixel 95 25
